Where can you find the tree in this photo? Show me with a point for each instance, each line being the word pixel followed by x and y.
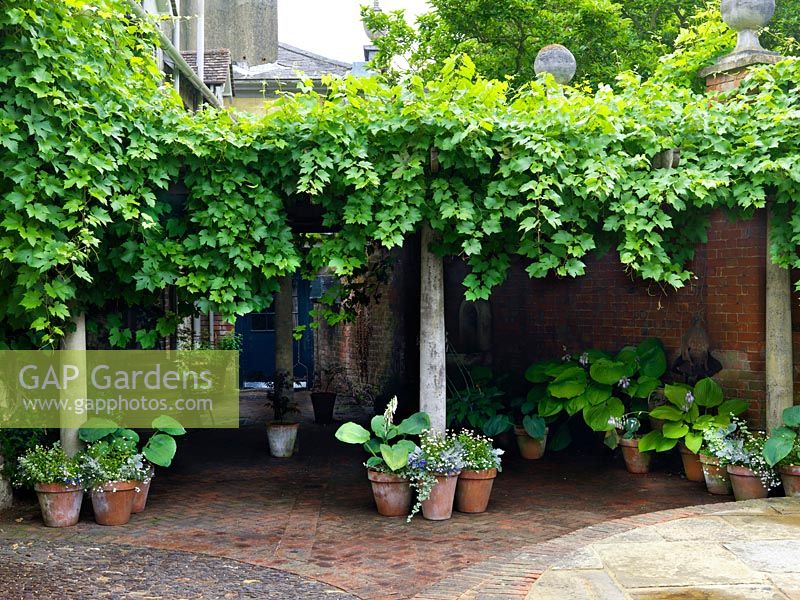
pixel 504 36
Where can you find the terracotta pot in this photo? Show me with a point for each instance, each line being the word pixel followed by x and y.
pixel 439 505
pixel 474 489
pixel 323 403
pixel 113 503
pixel 790 476
pixel 142 491
pixel 60 504
pixel 635 461
pixel 691 464
pixel 282 438
pixel 746 486
pixel 530 448
pixel 717 480
pixel 392 493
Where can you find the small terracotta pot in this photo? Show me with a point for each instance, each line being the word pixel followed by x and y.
pixel 530 448
pixel 635 461
pixel 142 491
pixel 392 493
pixel 323 403
pixel 717 480
pixel 691 464
pixel 746 486
pixel 790 476
pixel 113 503
pixel 60 504
pixel 282 438
pixel 474 489
pixel 439 505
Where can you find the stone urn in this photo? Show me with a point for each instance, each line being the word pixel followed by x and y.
pixel 746 17
pixel 556 60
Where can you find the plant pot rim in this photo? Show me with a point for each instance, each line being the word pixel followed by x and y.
pixel 118 486
pixel 56 488
pixel 478 474
pixel 632 443
pixel 445 475
pixel 292 424
pixel 325 394
pixel 683 449
pixel 741 471
pixel 790 470
pixel 709 459
pixel 383 477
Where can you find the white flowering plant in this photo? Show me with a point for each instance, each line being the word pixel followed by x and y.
pixel 48 465
pixel 438 454
pixel 478 451
pixel 688 413
pixel 387 444
pixel 107 462
pixel 736 445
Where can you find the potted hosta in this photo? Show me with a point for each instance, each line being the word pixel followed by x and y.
pixel 435 466
pixel 690 411
pixel 327 383
pixel 159 450
pixel 481 465
pixel 281 433
pixel 389 450
pixel 624 435
pixel 56 478
pixel 742 451
pixel 782 449
pixel 112 469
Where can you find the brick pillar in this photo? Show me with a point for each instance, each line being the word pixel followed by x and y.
pixel 723 76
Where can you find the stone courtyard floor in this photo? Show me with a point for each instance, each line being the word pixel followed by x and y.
pixel 227 520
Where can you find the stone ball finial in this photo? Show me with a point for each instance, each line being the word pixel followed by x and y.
pixel 374 35
pixel 746 17
pixel 556 60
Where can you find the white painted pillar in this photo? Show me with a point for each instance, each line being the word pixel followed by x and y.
pixel 432 370
pixel 284 328
pixel 70 422
pixel 778 347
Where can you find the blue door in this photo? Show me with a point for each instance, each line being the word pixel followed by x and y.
pixel 257 359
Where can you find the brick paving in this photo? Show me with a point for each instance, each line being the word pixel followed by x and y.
pixel 312 515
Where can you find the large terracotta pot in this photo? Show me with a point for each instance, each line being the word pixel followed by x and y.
pixel 323 403
pixel 142 491
pixel 282 438
pixel 790 475
pixel 473 490
pixel 717 480
pixel 691 464
pixel 635 461
pixel 439 505
pixel 60 504
pixel 530 448
pixel 746 486
pixel 392 493
pixel 112 502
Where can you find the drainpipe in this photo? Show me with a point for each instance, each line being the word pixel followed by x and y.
pixel 176 41
pixel 201 39
pixel 180 64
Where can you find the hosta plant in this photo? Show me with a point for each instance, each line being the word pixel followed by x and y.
pixel 45 465
pixel 600 386
pixel 783 446
pixel 688 413
pixel 387 444
pixel 159 449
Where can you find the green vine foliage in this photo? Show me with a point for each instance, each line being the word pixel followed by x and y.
pixel 91 137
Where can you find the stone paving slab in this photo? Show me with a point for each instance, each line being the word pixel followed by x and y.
pixel 687 557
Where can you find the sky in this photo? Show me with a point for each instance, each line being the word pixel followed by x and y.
pixel 332 28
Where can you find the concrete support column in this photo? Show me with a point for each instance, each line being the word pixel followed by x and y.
pixel 778 346
pixel 432 348
pixel 70 422
pixel 284 342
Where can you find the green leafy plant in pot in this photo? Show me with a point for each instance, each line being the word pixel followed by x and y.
pixel 159 449
pixel 388 447
pixel 282 433
pixel 328 382
pixel 57 480
pixel 782 450
pixel 689 411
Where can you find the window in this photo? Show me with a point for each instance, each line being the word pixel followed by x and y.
pixel 262 321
